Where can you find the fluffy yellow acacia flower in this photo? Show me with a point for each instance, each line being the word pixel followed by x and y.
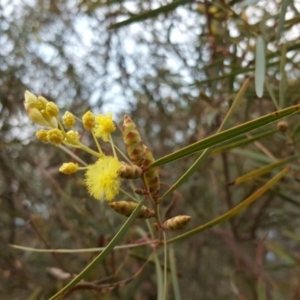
pixel 102 179
pixel 69 168
pixel 104 126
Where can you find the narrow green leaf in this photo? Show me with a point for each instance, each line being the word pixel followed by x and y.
pixel 243 142
pixel 36 294
pixel 165 286
pixel 84 250
pixel 291 235
pixel 287 199
pixel 281 252
pixel 296 130
pixel 261 290
pixel 265 169
pixel 226 135
pixel 271 93
pixel 195 166
pixel 159 278
pixel 283 80
pixel 284 7
pixel 235 104
pixel 150 14
pixel 175 283
pixel 102 255
pixel 205 154
pixel 260 66
pixel 233 211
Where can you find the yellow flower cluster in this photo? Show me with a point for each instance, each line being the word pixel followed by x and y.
pixel 103 178
pixel 40 110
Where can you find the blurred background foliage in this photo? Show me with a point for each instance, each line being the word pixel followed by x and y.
pixel 175 68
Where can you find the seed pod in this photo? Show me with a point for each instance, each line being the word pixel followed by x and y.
pixel 132 141
pixel 140 191
pixel 151 176
pixel 176 223
pixel 126 208
pixel 282 126
pixel 130 171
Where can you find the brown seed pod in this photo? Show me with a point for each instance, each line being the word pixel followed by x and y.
pixel 126 208
pixel 132 141
pixel 130 171
pixel 151 176
pixel 282 126
pixel 176 223
pixel 141 191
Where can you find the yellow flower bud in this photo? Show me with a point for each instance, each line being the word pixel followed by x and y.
pixel 30 100
pixel 72 135
pixel 42 135
pixel 52 109
pixel 36 110
pixel 72 138
pixel 37 117
pixel 69 168
pixel 55 136
pixel 68 119
pixel 41 103
pixel 88 120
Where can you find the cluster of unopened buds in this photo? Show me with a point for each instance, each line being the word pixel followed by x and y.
pixel 103 178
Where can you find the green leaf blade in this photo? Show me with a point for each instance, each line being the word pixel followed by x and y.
pixel 260 66
pixel 226 135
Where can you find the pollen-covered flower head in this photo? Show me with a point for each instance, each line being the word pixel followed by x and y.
pixel 104 126
pixel 102 178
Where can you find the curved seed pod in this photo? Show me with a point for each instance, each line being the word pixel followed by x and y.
pixel 130 171
pixel 151 176
pixel 126 208
pixel 176 223
pixel 133 141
